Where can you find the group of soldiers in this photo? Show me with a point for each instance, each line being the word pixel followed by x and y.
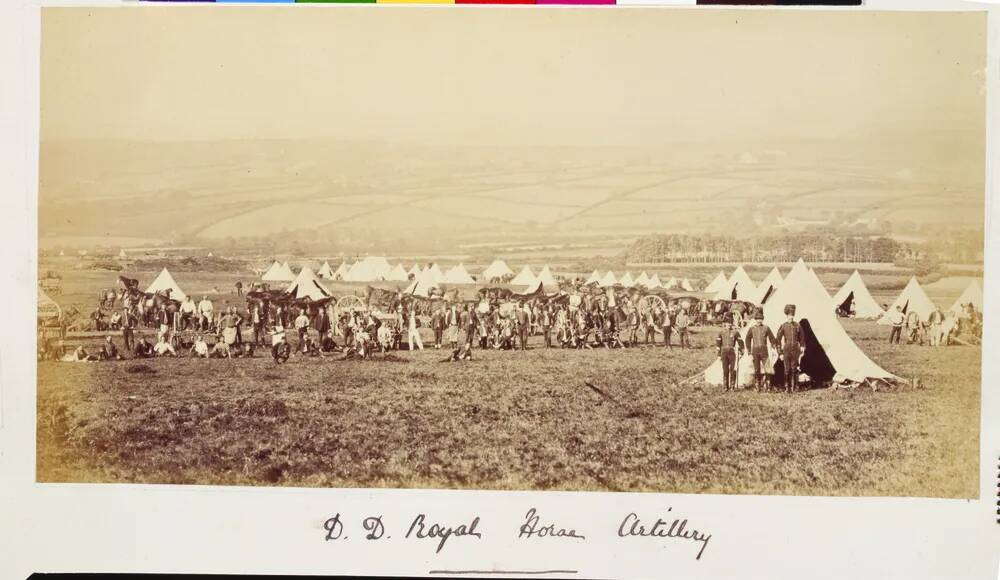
pixel 789 343
pixel 937 329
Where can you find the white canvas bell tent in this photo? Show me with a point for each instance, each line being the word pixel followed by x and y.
pixel 830 355
pixel 307 285
pixel 595 278
pixel 973 294
pixel 286 274
pixel 626 280
pixel 854 295
pixel 458 275
pixel 608 280
pixel 739 286
pixel 654 282
pixel 325 271
pixel 717 283
pixel 686 285
pixel 911 299
pixel 546 277
pixel 47 307
pixel 272 273
pixel 670 284
pixel 341 271
pixel 435 274
pixel 398 274
pixel 164 282
pixel 525 277
pixel 122 253
pixel 414 271
pixel 767 286
pixel 497 269
pixel 370 269
pixel 422 284
pixel 642 279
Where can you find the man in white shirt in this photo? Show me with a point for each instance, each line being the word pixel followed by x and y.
pixel 205 309
pixel 413 333
pixel 896 318
pixel 200 348
pixel 188 310
pixel 302 326
pixel 163 348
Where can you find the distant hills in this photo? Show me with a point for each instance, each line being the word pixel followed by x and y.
pixel 248 190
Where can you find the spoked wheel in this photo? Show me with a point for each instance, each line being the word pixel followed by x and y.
pixel 350 303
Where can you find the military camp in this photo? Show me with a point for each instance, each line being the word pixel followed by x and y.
pixel 684 366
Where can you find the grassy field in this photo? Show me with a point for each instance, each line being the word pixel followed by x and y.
pixel 513 420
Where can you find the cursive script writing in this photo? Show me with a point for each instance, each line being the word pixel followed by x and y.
pixel 632 526
pixel 438 531
pixel 532 528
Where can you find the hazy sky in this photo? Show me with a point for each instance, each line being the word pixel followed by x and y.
pixel 507 76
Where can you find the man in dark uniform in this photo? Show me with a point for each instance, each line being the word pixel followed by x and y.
pixel 521 317
pixel 791 339
pixel 729 344
pixel 759 335
pixel 437 323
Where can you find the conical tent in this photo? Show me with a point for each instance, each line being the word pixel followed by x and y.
pixel 307 285
pixel 122 254
pixel 341 271
pixel 370 269
pixel 973 294
pixel 595 278
pixel 671 283
pixel 911 299
pixel 525 278
pixel 686 285
pixel 498 269
pixel 829 354
pixel 398 274
pixel 458 275
pixel 286 274
pixel 210 255
pixel 717 283
pixel 767 287
pixel 642 279
pixel 414 271
pixel 546 277
pixel 165 282
pixel 608 279
pixel 325 271
pixel 47 307
pixel 739 286
pixel 422 284
pixel 654 282
pixel 272 274
pixel 854 295
pixel 626 280
pixel 435 274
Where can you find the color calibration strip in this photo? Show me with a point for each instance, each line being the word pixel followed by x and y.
pixel 550 2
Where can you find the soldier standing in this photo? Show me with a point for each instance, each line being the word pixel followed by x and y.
pixel 790 341
pixel 759 336
pixel 729 344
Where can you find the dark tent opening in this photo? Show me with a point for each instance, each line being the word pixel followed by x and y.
pixel 814 361
pixel 733 294
pixel 844 309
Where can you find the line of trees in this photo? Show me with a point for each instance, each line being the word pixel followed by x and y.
pixel 816 247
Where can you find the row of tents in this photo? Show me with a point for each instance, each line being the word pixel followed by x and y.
pixel 830 354
pixel 853 296
pixel 642 280
pixel 373 269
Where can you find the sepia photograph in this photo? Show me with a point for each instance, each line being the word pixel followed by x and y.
pixel 636 250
